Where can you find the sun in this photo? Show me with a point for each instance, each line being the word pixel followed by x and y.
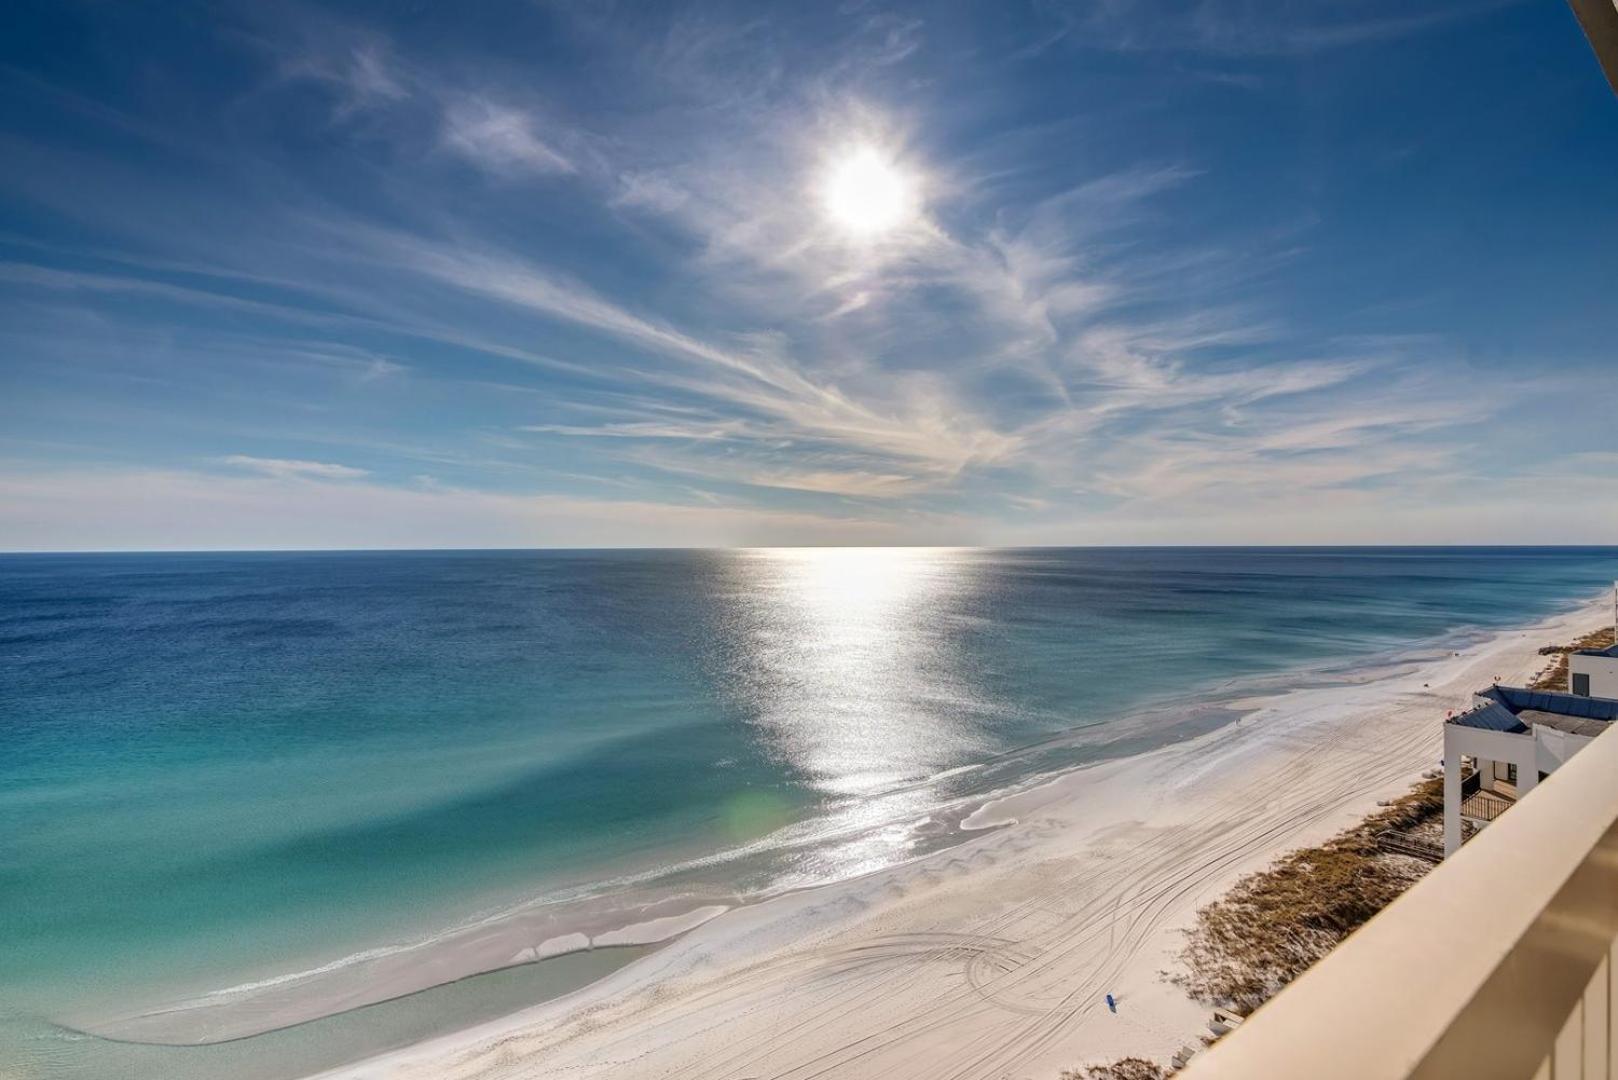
pixel 866 194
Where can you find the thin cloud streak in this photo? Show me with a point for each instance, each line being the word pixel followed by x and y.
pixel 136 509
pixel 499 138
pixel 289 469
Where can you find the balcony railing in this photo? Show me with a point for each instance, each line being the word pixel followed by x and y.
pixel 1499 963
pixel 1485 805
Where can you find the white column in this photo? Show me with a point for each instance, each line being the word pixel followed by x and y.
pixel 1528 768
pixel 1452 793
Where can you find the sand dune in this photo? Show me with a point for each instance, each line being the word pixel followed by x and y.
pixel 992 959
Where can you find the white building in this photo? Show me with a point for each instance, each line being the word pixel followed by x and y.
pixel 1515 737
pixel 1593 672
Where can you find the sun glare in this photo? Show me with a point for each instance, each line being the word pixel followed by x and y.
pixel 866 194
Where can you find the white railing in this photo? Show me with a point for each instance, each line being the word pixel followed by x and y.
pixel 1497 964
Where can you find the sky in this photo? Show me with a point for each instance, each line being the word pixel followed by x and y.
pixel 529 274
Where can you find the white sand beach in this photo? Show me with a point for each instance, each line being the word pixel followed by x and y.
pixel 992 958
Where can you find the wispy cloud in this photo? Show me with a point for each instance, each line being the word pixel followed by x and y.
pixel 366 75
pixel 124 508
pixel 1237 28
pixel 356 66
pixel 756 376
pixel 644 429
pixel 403 242
pixel 289 469
pixel 499 138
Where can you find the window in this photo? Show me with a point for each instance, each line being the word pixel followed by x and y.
pixel 1581 684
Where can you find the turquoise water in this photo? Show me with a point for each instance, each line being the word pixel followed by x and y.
pixel 225 768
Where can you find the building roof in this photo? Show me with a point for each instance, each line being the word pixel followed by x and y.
pixel 1514 709
pixel 1573 725
pixel 1610 650
pixel 1491 717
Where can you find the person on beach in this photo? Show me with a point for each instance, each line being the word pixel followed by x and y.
pixel 1112 1004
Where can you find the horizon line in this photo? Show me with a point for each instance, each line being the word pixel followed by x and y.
pixel 808 547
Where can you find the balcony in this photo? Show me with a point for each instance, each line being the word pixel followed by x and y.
pixel 1480 805
pixel 1499 963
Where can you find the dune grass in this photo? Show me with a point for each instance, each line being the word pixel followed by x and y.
pixel 1275 923
pixel 1554 677
pixel 1132 1068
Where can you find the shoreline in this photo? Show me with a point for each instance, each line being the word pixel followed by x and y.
pixel 973 949
pixel 576 920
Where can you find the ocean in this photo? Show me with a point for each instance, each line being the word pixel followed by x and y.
pixel 242 779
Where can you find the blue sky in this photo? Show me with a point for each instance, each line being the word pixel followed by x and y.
pixel 576 274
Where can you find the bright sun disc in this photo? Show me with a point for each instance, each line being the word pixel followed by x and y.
pixel 867 195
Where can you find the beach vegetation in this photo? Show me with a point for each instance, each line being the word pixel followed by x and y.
pixel 1275 923
pixel 1554 677
pixel 1130 1068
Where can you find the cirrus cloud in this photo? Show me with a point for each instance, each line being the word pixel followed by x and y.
pixel 288 468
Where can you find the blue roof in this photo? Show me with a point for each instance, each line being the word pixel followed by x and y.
pixel 1517 699
pixel 1498 707
pixel 1610 650
pixel 1491 716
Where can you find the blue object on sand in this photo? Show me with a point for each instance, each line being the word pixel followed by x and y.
pixel 1111 1004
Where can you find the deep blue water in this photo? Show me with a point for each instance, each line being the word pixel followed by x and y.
pixel 223 766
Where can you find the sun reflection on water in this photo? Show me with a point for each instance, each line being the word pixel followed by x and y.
pixel 849 662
